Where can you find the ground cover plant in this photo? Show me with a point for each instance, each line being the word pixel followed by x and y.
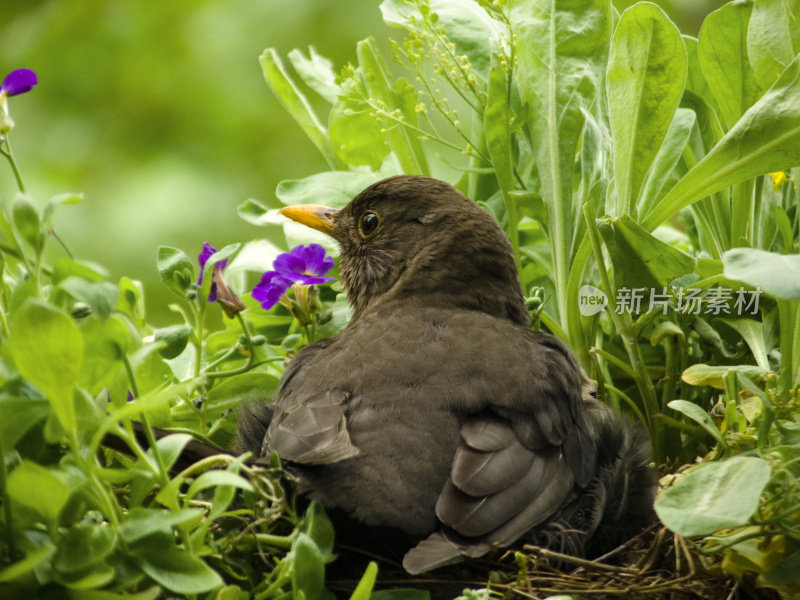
pixel 648 182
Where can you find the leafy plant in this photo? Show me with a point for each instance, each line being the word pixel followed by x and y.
pixel 648 182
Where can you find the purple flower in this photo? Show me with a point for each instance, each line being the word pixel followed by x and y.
pixel 202 258
pixel 18 82
pixel 305 265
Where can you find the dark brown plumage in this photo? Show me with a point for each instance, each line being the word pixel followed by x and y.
pixel 438 411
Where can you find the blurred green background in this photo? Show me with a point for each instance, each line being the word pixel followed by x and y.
pixel 159 114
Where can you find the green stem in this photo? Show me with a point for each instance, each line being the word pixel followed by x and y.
pixel 625 327
pixel 10 157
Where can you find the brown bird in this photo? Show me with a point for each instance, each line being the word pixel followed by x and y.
pixel 438 411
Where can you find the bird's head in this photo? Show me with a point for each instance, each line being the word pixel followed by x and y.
pixel 418 239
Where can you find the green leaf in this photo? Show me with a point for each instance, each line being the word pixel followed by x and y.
pixel 776 274
pixel 105 343
pixel 773 38
pixel 497 129
pixel 175 268
pixel 465 24
pixel 764 140
pixel 714 496
pixel 19 415
pixel 316 72
pixel 331 188
pixel 102 296
pixel 25 486
pixel 643 261
pixel 141 522
pixel 401 140
pixel 667 157
pixel 297 105
pixel 26 221
pixel 19 570
pixel 785 572
pixel 560 71
pixel 81 547
pixel 67 267
pixel 173 568
pixel 752 333
pixel 48 349
pixel 722 51
pixel 699 416
pixel 211 479
pixel 363 590
pixel 318 527
pixel 307 567
pixel 356 134
pixel 714 376
pixel 173 338
pixel 646 74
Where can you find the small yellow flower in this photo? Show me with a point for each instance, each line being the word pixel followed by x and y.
pixel 778 179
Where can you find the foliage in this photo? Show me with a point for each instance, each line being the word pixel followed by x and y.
pixel 637 170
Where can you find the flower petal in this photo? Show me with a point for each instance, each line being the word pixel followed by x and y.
pixel 309 259
pixel 269 290
pixel 19 82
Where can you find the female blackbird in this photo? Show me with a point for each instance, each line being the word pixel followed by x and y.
pixel 438 411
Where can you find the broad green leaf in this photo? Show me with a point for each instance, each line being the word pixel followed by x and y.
pixel 316 72
pixel 714 496
pixel 667 157
pixel 17 416
pixel 356 134
pixel 776 274
pixel 785 572
pixel 68 267
pixel 330 188
pixel 101 296
pixel 173 568
pixel 173 338
pixel 83 546
pixel 752 333
pixel 170 448
pixel 307 567
pixel 140 523
pixel 773 38
pixel 212 479
pixel 22 568
pixel 26 485
pixel 562 48
pixel 642 261
pixel 297 105
pixel 105 343
pixel 48 349
pixel 402 141
pixel 699 416
pixel 722 51
pixel 318 527
pixel 645 78
pixel 695 80
pixel 764 140
pixel 714 376
pixel 26 221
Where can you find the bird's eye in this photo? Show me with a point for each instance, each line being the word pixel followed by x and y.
pixel 368 224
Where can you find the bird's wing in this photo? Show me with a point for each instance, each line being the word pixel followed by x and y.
pixel 517 466
pixel 309 429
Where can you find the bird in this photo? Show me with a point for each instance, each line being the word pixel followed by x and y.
pixel 439 412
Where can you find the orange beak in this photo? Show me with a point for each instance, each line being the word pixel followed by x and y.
pixel 321 218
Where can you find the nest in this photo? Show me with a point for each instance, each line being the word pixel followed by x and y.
pixel 656 564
